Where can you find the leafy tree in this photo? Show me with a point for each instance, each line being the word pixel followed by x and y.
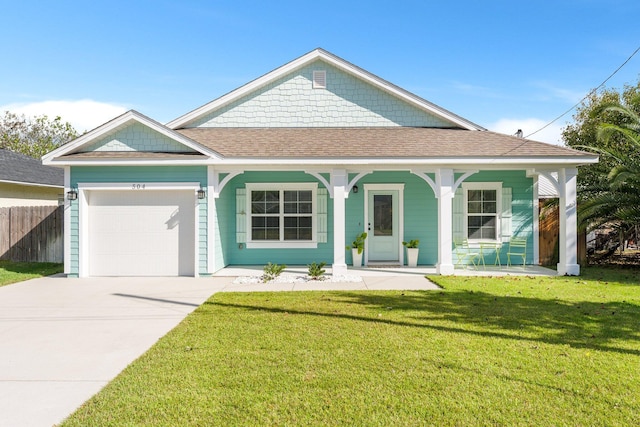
pixel 608 123
pixel 620 148
pixel 34 136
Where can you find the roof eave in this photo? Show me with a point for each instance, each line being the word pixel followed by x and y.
pixel 123 119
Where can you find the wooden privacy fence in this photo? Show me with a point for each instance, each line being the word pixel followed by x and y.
pixel 31 234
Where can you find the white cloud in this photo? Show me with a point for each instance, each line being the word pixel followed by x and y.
pixel 83 114
pixel 552 134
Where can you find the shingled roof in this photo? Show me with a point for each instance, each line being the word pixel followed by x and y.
pixel 15 167
pixel 370 142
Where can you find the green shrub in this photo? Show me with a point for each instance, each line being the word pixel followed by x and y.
pixel 316 271
pixel 271 271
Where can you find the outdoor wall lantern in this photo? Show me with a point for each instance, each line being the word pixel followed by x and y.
pixel 355 189
pixel 201 194
pixel 72 195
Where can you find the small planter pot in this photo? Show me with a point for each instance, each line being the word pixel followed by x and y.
pixel 357 257
pixel 412 257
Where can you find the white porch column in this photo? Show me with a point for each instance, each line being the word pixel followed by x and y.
pixel 444 193
pixel 568 244
pixel 339 181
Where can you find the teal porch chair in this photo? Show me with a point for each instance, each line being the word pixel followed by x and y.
pixel 517 249
pixel 465 254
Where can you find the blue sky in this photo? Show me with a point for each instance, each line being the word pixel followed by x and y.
pixel 502 64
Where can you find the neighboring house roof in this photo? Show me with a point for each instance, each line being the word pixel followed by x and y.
pixel 20 169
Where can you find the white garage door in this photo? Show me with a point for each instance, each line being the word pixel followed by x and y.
pixel 141 233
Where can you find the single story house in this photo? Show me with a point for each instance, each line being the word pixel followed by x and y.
pixel 25 181
pixel 290 167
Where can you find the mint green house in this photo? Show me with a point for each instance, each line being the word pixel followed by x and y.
pixel 290 167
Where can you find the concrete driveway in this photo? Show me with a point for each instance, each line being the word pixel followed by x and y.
pixel 62 340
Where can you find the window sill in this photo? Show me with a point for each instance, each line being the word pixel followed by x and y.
pixel 282 245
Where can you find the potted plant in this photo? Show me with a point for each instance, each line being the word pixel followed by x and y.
pixel 357 248
pixel 412 252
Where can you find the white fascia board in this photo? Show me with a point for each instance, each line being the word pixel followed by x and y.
pixel 124 162
pixel 453 162
pixel 336 62
pixel 30 184
pixel 124 119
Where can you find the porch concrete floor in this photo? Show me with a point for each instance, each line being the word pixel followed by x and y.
pixel 373 278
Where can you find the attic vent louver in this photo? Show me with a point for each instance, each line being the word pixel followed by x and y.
pixel 319 79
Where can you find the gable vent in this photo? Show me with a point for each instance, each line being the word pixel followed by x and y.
pixel 319 79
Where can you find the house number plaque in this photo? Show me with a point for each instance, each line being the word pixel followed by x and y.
pixel 137 186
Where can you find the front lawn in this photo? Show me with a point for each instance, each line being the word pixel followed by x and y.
pixel 483 351
pixel 12 272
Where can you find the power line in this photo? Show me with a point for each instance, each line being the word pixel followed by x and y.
pixel 587 95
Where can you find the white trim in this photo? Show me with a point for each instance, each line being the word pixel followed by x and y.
pixel 212 218
pixel 339 181
pixel 30 184
pixel 130 116
pixel 83 215
pixel 497 186
pixel 337 62
pixel 444 195
pixel 133 186
pixel 354 181
pixel 282 244
pixel 385 187
pixel 536 222
pixel 67 221
pixel 323 180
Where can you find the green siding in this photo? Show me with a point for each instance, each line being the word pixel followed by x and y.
pixel 140 174
pixel 292 101
pixel 234 255
pixel 522 207
pixel 136 137
pixel 420 212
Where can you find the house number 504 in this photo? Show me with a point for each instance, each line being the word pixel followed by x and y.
pixel 137 186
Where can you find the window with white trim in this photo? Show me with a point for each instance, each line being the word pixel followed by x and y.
pixel 482 203
pixel 281 215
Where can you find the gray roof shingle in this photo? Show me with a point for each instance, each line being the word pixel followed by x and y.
pixel 369 142
pixel 20 168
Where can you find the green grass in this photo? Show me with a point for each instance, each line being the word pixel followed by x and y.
pixel 513 351
pixel 12 272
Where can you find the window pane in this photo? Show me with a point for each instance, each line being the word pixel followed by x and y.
pixel 265 202
pixel 474 207
pixel 272 208
pixel 290 207
pixel 488 207
pixel 474 195
pixel 489 195
pixel 265 228
pixel 290 196
pixel 474 233
pixel 297 228
pixel 304 196
pixel 382 215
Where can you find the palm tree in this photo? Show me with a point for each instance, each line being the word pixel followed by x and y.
pixel 619 203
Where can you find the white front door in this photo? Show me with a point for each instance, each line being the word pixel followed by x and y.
pixel 384 223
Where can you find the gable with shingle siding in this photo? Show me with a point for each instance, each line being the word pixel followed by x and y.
pixel 292 101
pixel 136 137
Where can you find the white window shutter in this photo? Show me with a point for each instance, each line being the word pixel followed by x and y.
pixel 506 215
pixel 241 215
pixel 322 214
pixel 458 216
